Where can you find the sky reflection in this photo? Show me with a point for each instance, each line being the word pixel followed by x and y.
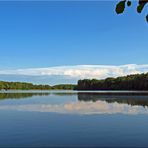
pixel 80 107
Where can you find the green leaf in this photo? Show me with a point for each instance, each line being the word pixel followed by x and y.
pixel 129 3
pixel 139 8
pixel 120 7
pixel 141 5
pixel 147 18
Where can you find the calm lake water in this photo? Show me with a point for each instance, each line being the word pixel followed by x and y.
pixel 73 119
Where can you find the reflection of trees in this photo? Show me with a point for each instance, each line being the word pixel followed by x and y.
pixel 20 95
pixel 141 100
pixel 63 94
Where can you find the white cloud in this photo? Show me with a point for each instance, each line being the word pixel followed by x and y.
pixel 81 71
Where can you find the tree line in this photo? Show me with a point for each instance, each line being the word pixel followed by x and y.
pixel 129 82
pixel 64 86
pixel 29 86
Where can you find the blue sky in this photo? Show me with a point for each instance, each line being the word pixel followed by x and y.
pixel 48 34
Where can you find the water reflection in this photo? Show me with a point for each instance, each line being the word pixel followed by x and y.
pixel 130 99
pixel 20 95
pixel 25 94
pixel 85 103
pixel 99 107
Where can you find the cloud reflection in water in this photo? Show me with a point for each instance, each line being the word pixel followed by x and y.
pixel 81 107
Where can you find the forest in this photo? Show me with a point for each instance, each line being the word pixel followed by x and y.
pixel 129 82
pixel 29 86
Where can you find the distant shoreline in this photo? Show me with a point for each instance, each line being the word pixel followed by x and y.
pixel 5 85
pixel 59 91
pixel 135 82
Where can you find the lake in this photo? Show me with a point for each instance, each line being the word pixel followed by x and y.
pixel 73 119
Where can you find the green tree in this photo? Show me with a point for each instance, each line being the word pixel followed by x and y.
pixel 130 82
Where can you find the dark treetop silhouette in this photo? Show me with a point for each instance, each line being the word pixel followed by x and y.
pixel 123 3
pixel 129 82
